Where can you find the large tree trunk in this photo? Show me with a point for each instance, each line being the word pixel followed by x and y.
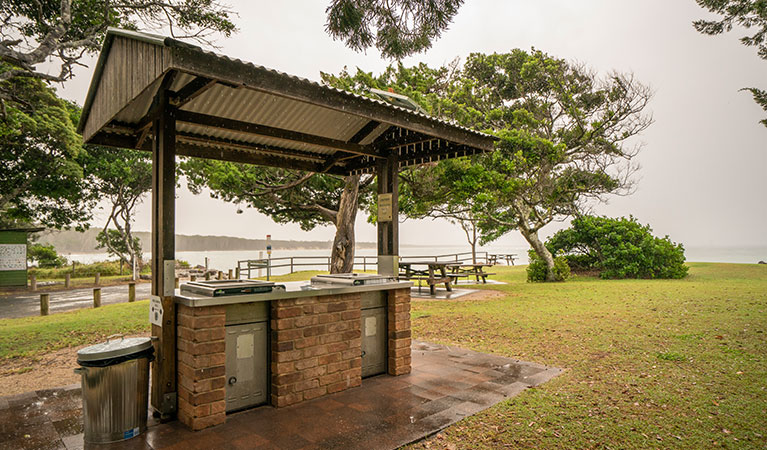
pixel 531 236
pixel 342 253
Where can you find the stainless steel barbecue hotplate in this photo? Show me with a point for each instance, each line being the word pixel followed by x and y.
pixel 352 279
pixel 222 288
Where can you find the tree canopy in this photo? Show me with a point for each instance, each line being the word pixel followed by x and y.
pixel 122 177
pixel 749 14
pixel 41 179
pixel 564 138
pixel 397 28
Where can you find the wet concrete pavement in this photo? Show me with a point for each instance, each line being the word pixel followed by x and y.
pixel 28 303
pixel 446 385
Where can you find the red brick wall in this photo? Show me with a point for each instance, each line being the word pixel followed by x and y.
pixel 201 359
pixel 398 319
pixel 316 347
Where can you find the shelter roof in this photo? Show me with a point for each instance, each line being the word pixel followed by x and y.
pixel 233 110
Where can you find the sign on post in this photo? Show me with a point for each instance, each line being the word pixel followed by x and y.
pixel 385 207
pixel 269 245
pixel 155 311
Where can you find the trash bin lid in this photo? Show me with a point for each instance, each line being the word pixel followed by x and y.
pixel 114 348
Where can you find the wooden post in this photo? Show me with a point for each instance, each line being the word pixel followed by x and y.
pixel 291 264
pixel 388 231
pixel 131 292
pixel 175 283
pixel 44 304
pixel 163 396
pixel 237 272
pixel 230 274
pixel 193 278
pixel 33 282
pixel 219 275
pixel 67 280
pixel 96 297
pixel 207 276
pixel 98 278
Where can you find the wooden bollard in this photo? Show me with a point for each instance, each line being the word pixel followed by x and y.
pixel 230 274
pixel 175 283
pixel 193 278
pixel 220 275
pixel 96 297
pixel 131 292
pixel 98 278
pixel 33 282
pixel 207 276
pixel 44 304
pixel 67 280
pixel 237 273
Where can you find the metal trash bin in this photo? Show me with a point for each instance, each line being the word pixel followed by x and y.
pixel 115 385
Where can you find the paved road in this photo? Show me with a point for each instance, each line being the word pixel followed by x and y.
pixel 28 303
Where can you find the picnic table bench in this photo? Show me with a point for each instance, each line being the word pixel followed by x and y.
pixel 434 273
pixel 508 257
pixel 470 270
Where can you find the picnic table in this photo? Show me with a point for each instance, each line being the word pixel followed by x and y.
pixel 476 270
pixel 508 257
pixel 433 272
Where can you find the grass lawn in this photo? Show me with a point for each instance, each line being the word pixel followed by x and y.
pixel 32 336
pixel 650 363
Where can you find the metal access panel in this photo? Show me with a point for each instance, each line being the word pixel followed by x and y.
pixel 374 353
pixel 246 365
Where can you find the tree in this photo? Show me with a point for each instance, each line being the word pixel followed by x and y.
pixel 562 131
pixel 398 28
pixel 307 198
pixel 45 256
pixel 123 177
pixel 33 32
pixel 41 180
pixel 564 139
pixel 747 14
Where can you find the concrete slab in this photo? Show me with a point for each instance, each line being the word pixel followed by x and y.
pixel 446 385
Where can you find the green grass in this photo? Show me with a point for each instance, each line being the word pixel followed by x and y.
pixel 649 363
pixel 33 336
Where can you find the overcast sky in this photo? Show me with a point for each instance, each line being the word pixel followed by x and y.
pixel 702 179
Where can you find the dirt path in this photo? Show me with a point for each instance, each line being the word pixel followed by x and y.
pixel 45 372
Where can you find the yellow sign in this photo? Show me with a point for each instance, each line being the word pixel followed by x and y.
pixel 385 207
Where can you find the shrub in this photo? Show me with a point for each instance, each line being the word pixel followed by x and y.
pixel 105 268
pixel 45 256
pixel 619 248
pixel 536 269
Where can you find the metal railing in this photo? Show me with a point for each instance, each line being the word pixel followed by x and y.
pixel 292 263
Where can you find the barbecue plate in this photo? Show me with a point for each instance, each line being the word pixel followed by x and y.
pixel 352 279
pixel 223 288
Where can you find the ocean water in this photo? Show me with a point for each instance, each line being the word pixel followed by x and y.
pixel 224 260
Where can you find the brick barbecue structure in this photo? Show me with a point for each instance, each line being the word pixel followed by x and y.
pixel 315 351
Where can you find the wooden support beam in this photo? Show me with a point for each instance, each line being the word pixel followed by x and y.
pixel 192 90
pixel 163 396
pixel 388 230
pixel 272 132
pixel 187 145
pixel 364 131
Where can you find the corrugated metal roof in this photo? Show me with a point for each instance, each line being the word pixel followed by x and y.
pixel 313 129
